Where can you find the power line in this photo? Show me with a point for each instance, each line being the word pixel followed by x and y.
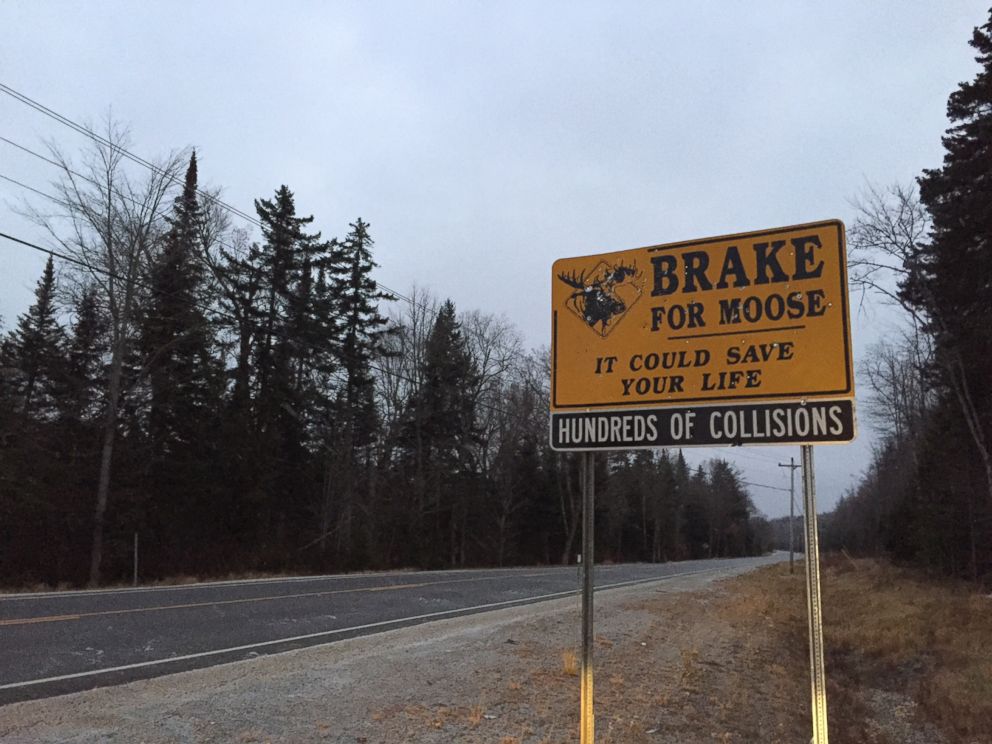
pixel 29 151
pixel 77 174
pixel 756 458
pixel 33 189
pixel 160 213
pixel 764 485
pixel 85 131
pixel 431 312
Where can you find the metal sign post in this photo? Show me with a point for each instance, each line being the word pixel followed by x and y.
pixel 587 715
pixel 818 675
pixel 729 341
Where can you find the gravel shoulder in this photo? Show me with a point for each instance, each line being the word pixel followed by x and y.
pixel 676 660
pixel 465 679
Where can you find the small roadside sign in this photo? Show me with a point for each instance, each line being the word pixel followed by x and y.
pixel 733 340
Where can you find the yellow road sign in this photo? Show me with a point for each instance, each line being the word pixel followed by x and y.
pixel 752 318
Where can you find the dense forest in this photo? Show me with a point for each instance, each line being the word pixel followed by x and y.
pixel 927 498
pixel 237 393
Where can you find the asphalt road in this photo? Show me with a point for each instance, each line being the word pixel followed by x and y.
pixel 55 643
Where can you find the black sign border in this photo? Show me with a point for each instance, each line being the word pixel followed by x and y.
pixel 684 445
pixel 783 398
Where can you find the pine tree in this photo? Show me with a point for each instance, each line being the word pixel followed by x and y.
pixel 177 349
pixel 79 388
pixel 361 331
pixel 667 542
pixel 32 459
pixel 730 509
pixel 447 408
pixel 950 276
pixel 281 259
pixel 7 398
pixel 293 355
pixel 441 437
pixel 177 343
pixel 697 523
pixel 34 352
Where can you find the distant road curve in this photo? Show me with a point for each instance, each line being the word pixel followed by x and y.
pixel 54 643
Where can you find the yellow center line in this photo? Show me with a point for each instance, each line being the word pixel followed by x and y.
pixel 245 600
pixel 45 619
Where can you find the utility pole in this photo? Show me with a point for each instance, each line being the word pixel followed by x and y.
pixel 792 509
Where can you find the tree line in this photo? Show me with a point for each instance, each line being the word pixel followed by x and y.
pixel 262 404
pixel 927 249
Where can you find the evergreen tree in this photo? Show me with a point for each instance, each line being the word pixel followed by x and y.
pixel 7 398
pixel 240 285
pixel 295 340
pixel 362 331
pixel 667 541
pixel 33 353
pixel 949 278
pixel 441 437
pixel 177 343
pixel 697 523
pixel 355 422
pixel 79 388
pixel 80 398
pixel 177 349
pixel 286 255
pixel 730 509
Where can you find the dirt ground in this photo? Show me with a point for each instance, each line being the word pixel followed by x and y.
pixel 703 658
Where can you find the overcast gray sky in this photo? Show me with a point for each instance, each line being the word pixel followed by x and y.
pixel 484 140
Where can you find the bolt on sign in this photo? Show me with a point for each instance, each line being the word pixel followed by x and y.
pixel 733 340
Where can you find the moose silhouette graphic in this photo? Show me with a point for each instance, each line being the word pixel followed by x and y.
pixel 597 298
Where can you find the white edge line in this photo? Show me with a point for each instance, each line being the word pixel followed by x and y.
pixel 339 631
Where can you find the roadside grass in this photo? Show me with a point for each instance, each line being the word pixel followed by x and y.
pixel 931 639
pixel 902 650
pixel 570 663
pixel 909 661
pixel 775 600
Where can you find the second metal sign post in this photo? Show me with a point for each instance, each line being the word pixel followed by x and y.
pixel 736 340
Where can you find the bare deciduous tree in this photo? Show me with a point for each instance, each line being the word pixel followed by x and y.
pixel 891 222
pixel 896 372
pixel 891 225
pixel 109 222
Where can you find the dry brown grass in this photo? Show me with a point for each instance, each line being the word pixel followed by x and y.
pixel 570 663
pixel 475 714
pixel 730 664
pixel 933 639
pixel 887 629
